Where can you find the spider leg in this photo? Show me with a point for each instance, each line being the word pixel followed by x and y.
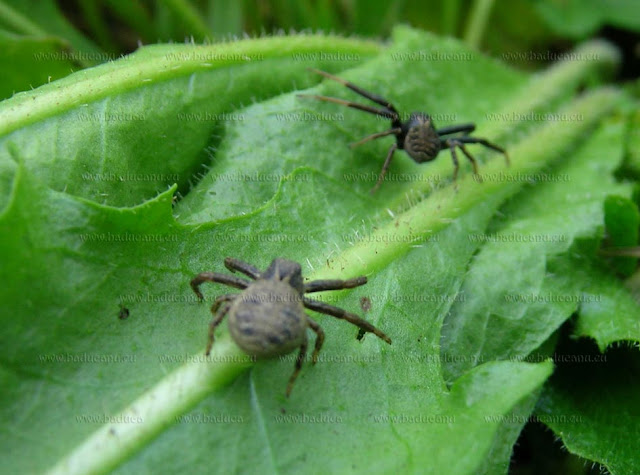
pixel 334 284
pixel 395 131
pixel 344 315
pixel 466 129
pixel 487 144
pixel 319 339
pixel 385 167
pixel 218 316
pixel 474 164
pixel 454 157
pixel 220 300
pixel 358 90
pixel 229 280
pixel 298 367
pixel 387 113
pixel 237 265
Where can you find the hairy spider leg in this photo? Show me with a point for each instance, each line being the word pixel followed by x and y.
pixel 389 114
pixel 218 316
pixel 466 129
pixel 334 284
pixel 385 167
pixel 394 131
pixel 487 144
pixel 298 367
pixel 237 265
pixel 319 338
pixel 344 315
pixel 358 90
pixel 230 280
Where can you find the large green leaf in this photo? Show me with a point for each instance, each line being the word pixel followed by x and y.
pixel 577 19
pixel 149 276
pixel 136 393
pixel 84 134
pixel 30 62
pixel 608 313
pixel 39 19
pixel 591 401
pixel 532 293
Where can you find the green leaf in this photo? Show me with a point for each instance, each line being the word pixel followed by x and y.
pixel 44 19
pixel 310 126
pixel 532 293
pixel 122 131
pixel 137 393
pixel 579 18
pixel 632 143
pixel 591 400
pixel 145 276
pixel 189 17
pixel 622 221
pixel 517 107
pixel 226 17
pixel 29 62
pixel 608 313
pixel 500 457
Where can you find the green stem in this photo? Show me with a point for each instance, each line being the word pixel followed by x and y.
pixel 450 15
pixel 157 409
pixel 225 17
pixel 190 17
pixel 91 11
pixel 477 22
pixel 162 63
pixel 136 16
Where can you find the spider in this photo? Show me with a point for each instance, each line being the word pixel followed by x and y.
pixel 267 318
pixel 417 136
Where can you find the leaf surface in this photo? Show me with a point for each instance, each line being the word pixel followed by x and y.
pixel 136 392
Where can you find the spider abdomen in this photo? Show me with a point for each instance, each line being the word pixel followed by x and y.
pixel 268 319
pixel 421 140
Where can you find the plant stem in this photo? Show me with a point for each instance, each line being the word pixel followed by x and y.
pixel 160 407
pixel 191 18
pixel 450 16
pixel 162 63
pixel 19 22
pixel 478 18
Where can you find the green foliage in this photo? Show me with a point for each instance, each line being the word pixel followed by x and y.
pixel 75 35
pixel 579 18
pixel 520 309
pixel 137 394
pixel 591 400
pixel 32 61
pixel 622 222
pixel 172 90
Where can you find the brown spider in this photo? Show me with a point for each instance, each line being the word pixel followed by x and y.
pixel 417 136
pixel 267 318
